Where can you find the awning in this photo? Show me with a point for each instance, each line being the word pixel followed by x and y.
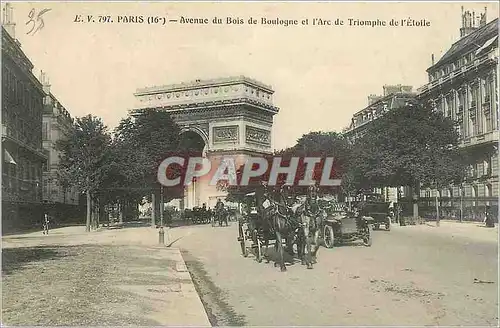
pixel 8 158
pixel 487 44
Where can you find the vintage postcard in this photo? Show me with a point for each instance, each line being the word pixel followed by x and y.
pixel 250 163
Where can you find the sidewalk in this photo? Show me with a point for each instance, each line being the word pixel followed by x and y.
pixel 472 230
pixel 154 276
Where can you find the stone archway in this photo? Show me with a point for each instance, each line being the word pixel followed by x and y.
pixel 233 116
pixel 193 141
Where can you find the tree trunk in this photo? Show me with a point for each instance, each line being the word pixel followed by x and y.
pixel 101 212
pixel 153 209
pixel 437 210
pixel 93 217
pixel 120 211
pixel 87 225
pixel 415 197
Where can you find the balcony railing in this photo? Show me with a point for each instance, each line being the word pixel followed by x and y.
pixel 458 71
pixel 16 137
pixel 483 138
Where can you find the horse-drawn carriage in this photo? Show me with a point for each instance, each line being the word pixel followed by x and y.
pixel 283 220
pixel 197 215
pixel 221 216
pixel 252 229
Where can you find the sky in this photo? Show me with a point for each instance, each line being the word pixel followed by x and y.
pixel 321 75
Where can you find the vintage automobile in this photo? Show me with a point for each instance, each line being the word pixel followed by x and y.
pixel 379 211
pixel 342 226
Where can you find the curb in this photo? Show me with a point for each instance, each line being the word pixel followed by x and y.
pixel 181 267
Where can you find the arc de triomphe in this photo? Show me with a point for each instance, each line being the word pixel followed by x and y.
pixel 229 116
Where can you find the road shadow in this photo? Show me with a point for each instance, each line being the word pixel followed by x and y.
pixel 174 241
pixel 28 230
pixel 355 243
pixel 484 226
pixel 272 256
pixel 219 312
pixel 14 259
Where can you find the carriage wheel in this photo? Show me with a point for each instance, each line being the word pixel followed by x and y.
pixel 328 236
pixel 258 245
pixel 259 251
pixel 243 242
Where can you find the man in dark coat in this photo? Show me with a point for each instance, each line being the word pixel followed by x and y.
pixel 490 223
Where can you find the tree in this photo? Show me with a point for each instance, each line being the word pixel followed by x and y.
pixel 411 146
pixel 314 144
pixel 82 156
pixel 328 144
pixel 144 140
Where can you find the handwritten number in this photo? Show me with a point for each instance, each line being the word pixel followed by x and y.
pixel 37 23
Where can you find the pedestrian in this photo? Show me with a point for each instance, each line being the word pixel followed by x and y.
pixel 488 220
pixel 46 224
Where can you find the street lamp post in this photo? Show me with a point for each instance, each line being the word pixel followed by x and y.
pixel 161 206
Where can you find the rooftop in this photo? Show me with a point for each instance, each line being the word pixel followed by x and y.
pixel 471 41
pixel 197 84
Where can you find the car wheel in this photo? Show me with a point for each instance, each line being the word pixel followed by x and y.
pixel 328 236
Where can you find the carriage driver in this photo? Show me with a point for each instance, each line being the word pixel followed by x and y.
pixel 312 199
pixel 260 197
pixel 219 206
pixel 286 193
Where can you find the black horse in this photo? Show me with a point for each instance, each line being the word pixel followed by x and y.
pixel 283 222
pixel 221 215
pixel 311 217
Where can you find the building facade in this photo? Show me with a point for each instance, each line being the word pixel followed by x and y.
pixel 22 152
pixel 60 201
pixel 463 86
pixel 393 97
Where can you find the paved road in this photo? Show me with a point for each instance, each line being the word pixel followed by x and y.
pixel 410 276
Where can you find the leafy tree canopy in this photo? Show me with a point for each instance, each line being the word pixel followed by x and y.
pixel 408 146
pixel 83 153
pixel 315 144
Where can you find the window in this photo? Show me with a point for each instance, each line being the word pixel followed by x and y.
pixel 474 191
pixel 489 191
pixel 45 131
pixel 473 96
pixel 487 166
pixel 488 126
pixel 477 127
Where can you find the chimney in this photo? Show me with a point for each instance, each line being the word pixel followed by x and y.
pixel 44 80
pixel 483 18
pixel 432 59
pixel 469 23
pixel 8 20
